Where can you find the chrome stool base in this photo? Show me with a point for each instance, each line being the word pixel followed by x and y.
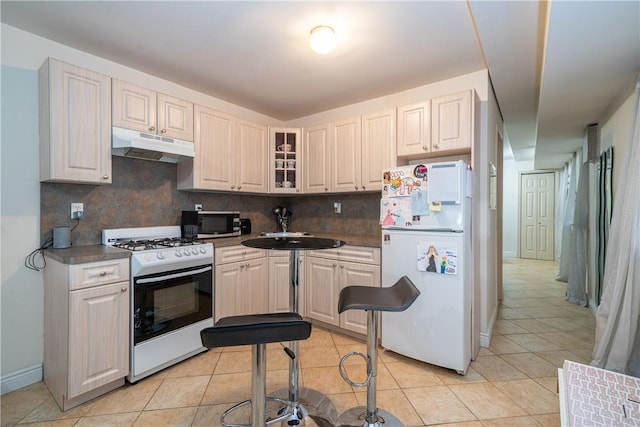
pixel 313 409
pixel 356 417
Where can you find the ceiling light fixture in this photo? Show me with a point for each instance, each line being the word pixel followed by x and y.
pixel 322 39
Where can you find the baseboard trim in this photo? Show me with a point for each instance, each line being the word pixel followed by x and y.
pixel 485 337
pixel 20 379
pixel 506 254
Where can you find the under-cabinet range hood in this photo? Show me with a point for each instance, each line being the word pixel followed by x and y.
pixel 141 145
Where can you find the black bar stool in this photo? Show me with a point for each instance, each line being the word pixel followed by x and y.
pixel 256 330
pixel 395 298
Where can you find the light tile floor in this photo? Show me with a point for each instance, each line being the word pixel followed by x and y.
pixel 511 383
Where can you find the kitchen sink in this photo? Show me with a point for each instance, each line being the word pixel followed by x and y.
pixel 286 234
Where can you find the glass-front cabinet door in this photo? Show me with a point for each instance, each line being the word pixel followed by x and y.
pixel 285 160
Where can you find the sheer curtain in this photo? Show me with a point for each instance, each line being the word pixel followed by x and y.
pixel 617 343
pixel 576 292
pixel 567 199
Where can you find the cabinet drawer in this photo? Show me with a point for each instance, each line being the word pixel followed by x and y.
pixel 98 273
pixel 237 253
pixel 350 253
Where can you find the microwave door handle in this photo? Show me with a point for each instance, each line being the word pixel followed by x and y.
pixel 174 276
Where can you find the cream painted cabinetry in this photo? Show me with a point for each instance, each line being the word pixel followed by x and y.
pixel 285 161
pixel 143 109
pixel 279 281
pixel 328 272
pixel 230 154
pixel 436 127
pixel 317 159
pixel 240 285
pixel 362 147
pixel 75 124
pixel 86 329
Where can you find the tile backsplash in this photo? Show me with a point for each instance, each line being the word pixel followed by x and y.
pixel 144 193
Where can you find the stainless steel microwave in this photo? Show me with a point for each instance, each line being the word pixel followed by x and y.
pixel 210 224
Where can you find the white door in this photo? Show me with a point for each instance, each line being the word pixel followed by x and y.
pixel 537 201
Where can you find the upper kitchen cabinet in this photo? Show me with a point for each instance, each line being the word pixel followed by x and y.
pixel 285 151
pixel 414 129
pixel 230 154
pixel 378 147
pixel 362 147
pixel 346 148
pixel 145 110
pixel 451 122
pixel 437 127
pixel 317 159
pixel 251 154
pixel 212 166
pixel 75 124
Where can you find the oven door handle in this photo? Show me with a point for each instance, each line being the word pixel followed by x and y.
pixel 174 276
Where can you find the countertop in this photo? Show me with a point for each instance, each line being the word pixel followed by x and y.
pixel 86 253
pixel 350 239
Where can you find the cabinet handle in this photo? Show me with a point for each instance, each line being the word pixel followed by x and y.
pixel 436 146
pixel 105 176
pixel 163 131
pixel 239 187
pixel 233 187
pixel 103 273
pixel 342 266
pixel 424 147
pixel 326 189
pixel 152 129
pixel 334 265
pixel 244 252
pixel 364 188
pixel 241 266
pixel 123 289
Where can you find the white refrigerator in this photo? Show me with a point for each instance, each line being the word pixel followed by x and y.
pixel 425 214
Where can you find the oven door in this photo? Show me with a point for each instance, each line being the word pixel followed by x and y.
pixel 165 302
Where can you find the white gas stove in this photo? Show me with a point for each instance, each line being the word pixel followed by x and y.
pixel 172 298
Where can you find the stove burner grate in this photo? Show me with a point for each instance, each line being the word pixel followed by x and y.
pixel 145 245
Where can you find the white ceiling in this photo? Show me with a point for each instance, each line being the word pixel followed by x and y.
pixel 555 66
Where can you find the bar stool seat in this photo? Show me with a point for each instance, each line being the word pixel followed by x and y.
pixel 256 330
pixel 396 298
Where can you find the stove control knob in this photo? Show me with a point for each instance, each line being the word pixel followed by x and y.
pixel 160 255
pixel 203 250
pixel 186 252
pixel 194 251
pixel 178 253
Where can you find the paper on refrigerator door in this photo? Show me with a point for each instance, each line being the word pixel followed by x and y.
pixel 395 212
pixel 437 257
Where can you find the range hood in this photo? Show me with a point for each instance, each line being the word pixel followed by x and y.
pixel 141 145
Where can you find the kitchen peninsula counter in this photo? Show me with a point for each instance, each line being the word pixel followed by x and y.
pixel 86 253
pixel 349 239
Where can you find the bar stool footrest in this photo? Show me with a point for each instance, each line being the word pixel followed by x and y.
pixel 356 417
pixel 239 405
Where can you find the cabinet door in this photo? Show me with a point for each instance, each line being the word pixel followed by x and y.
pixel 175 117
pixel 285 149
pixel 279 288
pixel 451 122
pixel 75 129
pixel 346 148
pixel 134 107
pixel 98 336
pixel 361 275
pixel 212 168
pixel 241 288
pixel 251 157
pixel 317 159
pixel 321 290
pixel 378 147
pixel 414 129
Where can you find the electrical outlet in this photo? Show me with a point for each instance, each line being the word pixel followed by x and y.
pixel 337 207
pixel 197 207
pixel 77 210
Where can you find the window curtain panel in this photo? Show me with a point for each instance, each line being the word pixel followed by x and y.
pixel 576 284
pixel 567 199
pixel 617 340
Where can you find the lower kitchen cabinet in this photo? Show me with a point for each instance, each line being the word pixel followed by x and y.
pixel 240 285
pixel 279 282
pixel 86 333
pixel 328 272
